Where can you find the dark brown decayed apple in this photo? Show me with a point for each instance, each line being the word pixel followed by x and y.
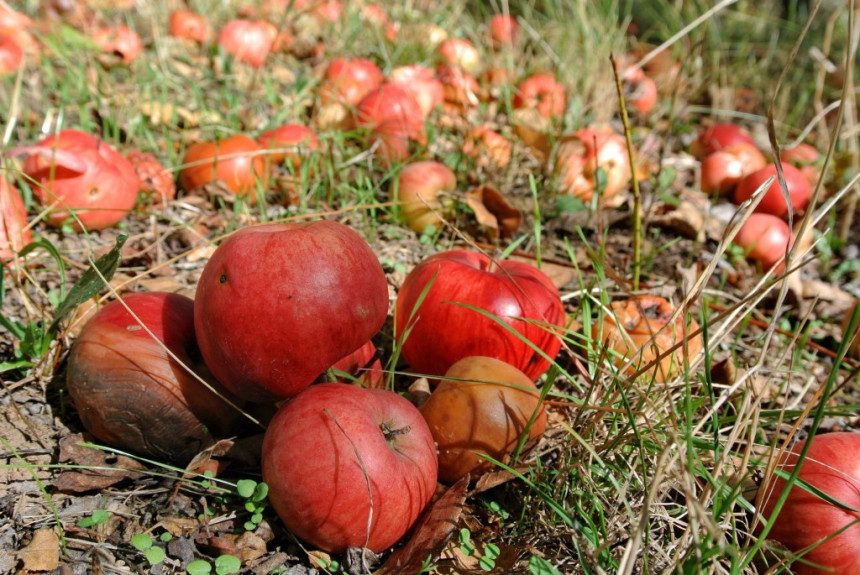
pixel 132 395
pixel 278 304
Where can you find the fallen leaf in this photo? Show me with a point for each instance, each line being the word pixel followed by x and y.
pixel 43 552
pixel 493 211
pixel 99 469
pixel 431 535
pixel 559 275
pixel 251 546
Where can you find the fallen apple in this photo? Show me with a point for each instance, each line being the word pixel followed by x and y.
pixel 238 161
pixel 774 202
pixel 76 172
pixel 543 93
pixel 637 331
pixel 764 238
pixel 419 191
pixel 348 466
pixel 132 394
pixel 278 304
pixel 829 534
pixel 248 41
pixel 436 331
pixel 481 406
pixel 14 233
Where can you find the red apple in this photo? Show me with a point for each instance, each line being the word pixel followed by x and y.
pixel 719 137
pixel 773 202
pixel 542 92
pixel 439 332
pixel 120 40
pixel 11 54
pixel 77 172
pixel 131 394
pixel 482 406
pixel 348 80
pixel 394 119
pixel 237 161
pixel 188 24
pixel 420 190
pixel 581 155
pixel 364 365
pixel 806 520
pixel 248 41
pixel 503 31
pixel 293 142
pixel 764 238
pixel 422 83
pixel 348 466
pixel 278 304
pixel 722 170
pixel 14 233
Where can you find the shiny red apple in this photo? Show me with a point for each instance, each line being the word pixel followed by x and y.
pixel 438 332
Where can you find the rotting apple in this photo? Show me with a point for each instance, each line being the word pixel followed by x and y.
pixel 278 304
pixel 129 391
pixel 543 93
pixel 488 147
pixel 773 202
pixel 14 233
pixel 518 294
pixel 806 521
pixel 481 406
pixel 460 88
pixel 119 40
pixel 764 238
pixel 581 156
pixel 155 181
pixel 460 53
pixel 637 331
pixel 76 172
pixel 348 466
pixel 419 191
pixel 238 161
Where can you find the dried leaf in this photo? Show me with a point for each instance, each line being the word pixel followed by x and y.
pixel 251 546
pixel 431 535
pixel 43 552
pixel 559 275
pixel 100 469
pixel 686 220
pixel 493 211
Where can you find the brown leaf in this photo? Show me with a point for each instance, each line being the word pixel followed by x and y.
pixel 493 211
pixel 251 546
pixel 43 552
pixel 100 469
pixel 559 275
pixel 431 535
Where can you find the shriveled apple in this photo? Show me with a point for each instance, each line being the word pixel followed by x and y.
pixel 131 394
pixel 482 406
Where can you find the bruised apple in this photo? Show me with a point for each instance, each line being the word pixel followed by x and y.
pixel 482 406
pixel 348 466
pixel 436 330
pixel 831 533
pixel 278 304
pixel 131 394
pixel 638 330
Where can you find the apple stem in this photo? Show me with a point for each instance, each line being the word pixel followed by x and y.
pixel 390 433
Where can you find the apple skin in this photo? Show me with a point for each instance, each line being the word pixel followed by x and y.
pixel 278 304
pixel 765 239
pixel 418 192
pixel 483 408
pixel 832 466
pixel 773 201
pixel 319 487
pixel 132 395
pixel 77 170
pixel 14 233
pixel 442 333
